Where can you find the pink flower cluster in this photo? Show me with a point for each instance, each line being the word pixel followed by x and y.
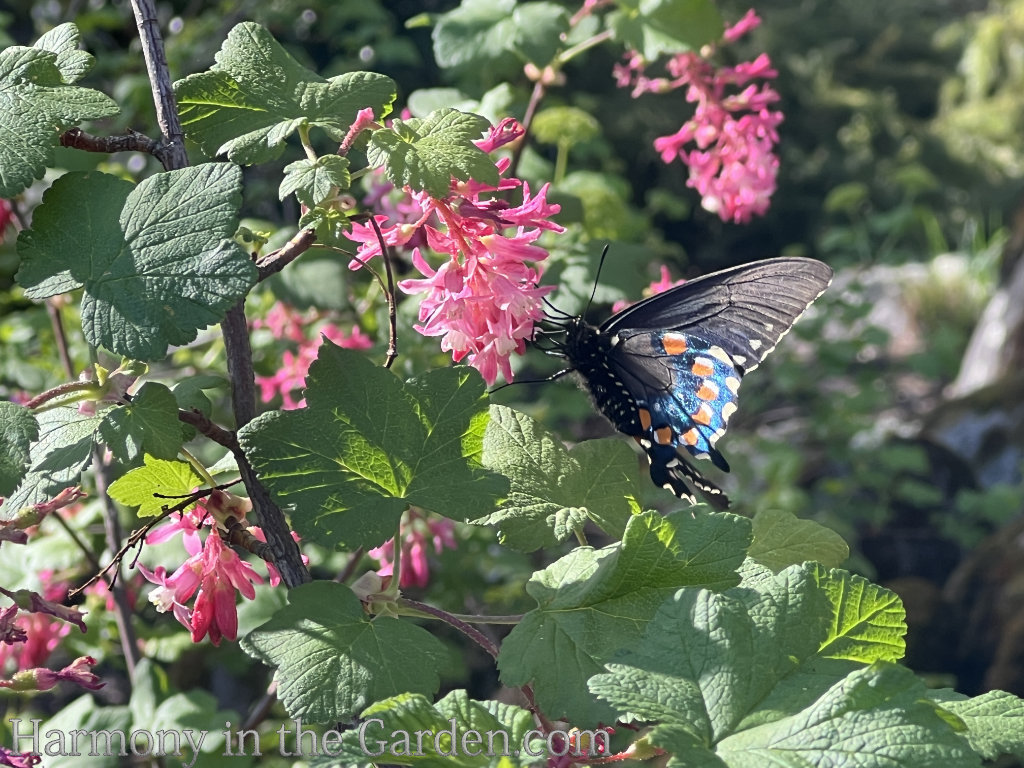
pixel 734 129
pixel 417 532
pixel 483 300
pixel 212 568
pixel 288 324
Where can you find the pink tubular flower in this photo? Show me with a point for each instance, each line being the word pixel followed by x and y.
pixel 733 130
pixel 79 672
pixel 223 573
pixel 41 679
pixel 483 300
pixel 417 531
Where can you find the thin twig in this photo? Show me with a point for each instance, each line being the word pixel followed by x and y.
pixel 234 327
pixel 62 389
pixel 122 605
pixel 139 534
pixel 60 336
pixel 259 712
pixel 204 426
pixel 350 566
pixel 171 153
pixel 287 556
pixel 539 89
pixel 472 633
pixel 385 253
pixel 112 530
pixel 285 255
pixel 132 141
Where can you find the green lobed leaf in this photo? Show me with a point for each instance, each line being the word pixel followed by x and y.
pixel 312 181
pixel 156 261
pixel 149 423
pixel 56 458
pixel 64 40
pixel 879 715
pixel 869 622
pixel 426 153
pixel 333 661
pixel 656 27
pixel 554 491
pixel 367 446
pixel 708 660
pixel 782 539
pixel 994 721
pixel 137 488
pixel 256 95
pixel 717 668
pixel 390 732
pixel 862 623
pixel 18 429
pixel 37 103
pixel 479 31
pixel 593 603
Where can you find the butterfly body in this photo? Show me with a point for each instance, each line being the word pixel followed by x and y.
pixel 667 371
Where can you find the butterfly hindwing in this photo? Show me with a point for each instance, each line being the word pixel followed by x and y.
pixel 684 389
pixel 672 472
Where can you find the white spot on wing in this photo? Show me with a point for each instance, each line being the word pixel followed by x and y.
pixel 720 354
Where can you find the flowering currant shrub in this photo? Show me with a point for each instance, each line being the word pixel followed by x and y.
pixel 281 434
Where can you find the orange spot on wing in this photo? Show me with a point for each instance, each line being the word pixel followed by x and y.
pixel 645 418
pixel 707 391
pixel 690 437
pixel 674 344
pixel 703 415
pixel 702 368
pixel 663 436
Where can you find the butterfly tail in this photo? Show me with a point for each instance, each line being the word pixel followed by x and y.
pixel 671 471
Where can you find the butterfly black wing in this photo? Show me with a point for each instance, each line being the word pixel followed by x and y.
pixel 667 370
pixel 745 310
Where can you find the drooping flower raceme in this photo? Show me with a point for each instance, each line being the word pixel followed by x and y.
pixel 733 131
pixel 212 573
pixel 483 300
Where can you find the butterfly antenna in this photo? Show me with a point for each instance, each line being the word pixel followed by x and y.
pixel 597 278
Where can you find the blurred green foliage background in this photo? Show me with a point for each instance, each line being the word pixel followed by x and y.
pixel 901 165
